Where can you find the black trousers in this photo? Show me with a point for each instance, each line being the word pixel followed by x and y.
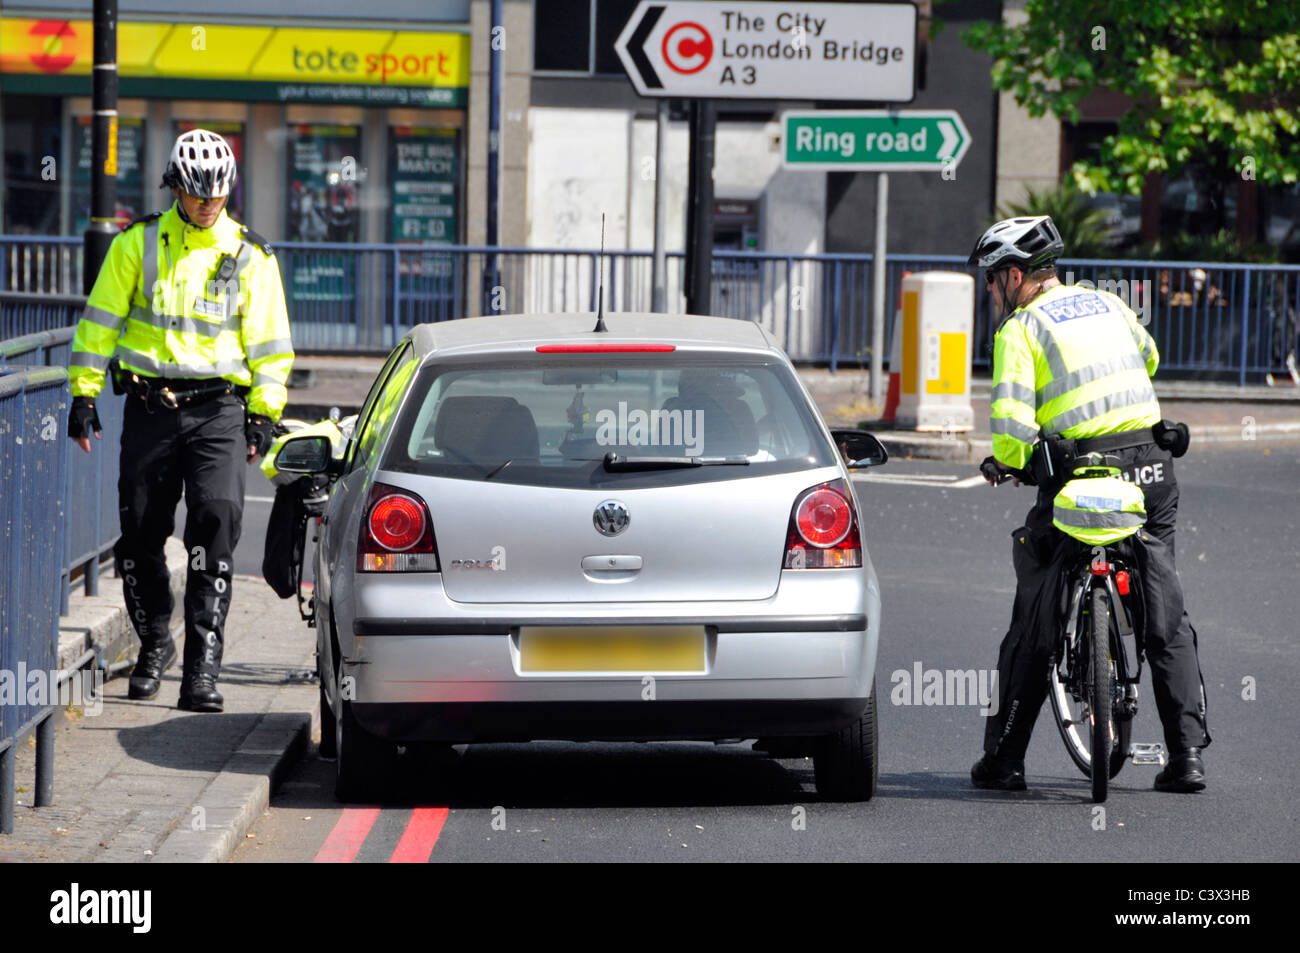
pixel 201 449
pixel 1036 619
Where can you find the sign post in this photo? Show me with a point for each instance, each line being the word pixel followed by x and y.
pixel 703 51
pixel 878 141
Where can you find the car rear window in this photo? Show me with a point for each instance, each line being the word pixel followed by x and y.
pixel 552 421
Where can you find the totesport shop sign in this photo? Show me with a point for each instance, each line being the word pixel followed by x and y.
pixel 277 64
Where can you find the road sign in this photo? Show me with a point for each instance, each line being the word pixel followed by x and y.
pixel 874 140
pixel 758 50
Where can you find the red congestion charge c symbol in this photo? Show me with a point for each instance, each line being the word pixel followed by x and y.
pixel 690 52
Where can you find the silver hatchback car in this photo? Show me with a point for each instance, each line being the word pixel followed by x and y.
pixel 543 531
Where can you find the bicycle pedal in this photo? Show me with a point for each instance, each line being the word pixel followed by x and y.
pixel 1148 754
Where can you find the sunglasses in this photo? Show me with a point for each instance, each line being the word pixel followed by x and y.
pixel 990 275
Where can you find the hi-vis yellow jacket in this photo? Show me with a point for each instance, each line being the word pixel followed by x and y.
pixel 164 306
pixel 1074 362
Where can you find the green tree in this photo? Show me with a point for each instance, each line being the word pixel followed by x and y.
pixel 1215 84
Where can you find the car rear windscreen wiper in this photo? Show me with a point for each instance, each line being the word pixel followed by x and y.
pixel 617 464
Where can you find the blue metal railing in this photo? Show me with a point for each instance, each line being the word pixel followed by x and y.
pixel 33 461
pixel 1207 317
pixel 23 313
pixel 91 480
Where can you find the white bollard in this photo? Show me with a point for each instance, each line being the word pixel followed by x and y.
pixel 938 321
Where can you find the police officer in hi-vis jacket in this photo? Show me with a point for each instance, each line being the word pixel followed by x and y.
pixel 192 306
pixel 1072 367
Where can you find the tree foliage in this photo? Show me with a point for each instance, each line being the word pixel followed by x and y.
pixel 1212 82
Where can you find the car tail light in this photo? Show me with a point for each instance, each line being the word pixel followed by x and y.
pixel 396 533
pixel 823 531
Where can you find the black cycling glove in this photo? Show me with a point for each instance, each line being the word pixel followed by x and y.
pixel 260 433
pixel 1000 473
pixel 83 418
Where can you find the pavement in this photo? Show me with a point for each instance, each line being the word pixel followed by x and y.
pixel 145 782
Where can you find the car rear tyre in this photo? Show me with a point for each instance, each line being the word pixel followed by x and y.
pixel 363 761
pixel 846 765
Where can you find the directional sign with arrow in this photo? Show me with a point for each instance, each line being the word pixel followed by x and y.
pixel 875 140
pixel 771 50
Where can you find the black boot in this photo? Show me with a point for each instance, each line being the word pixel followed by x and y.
pixel 153 661
pixel 203 651
pixel 1184 774
pixel 199 693
pixel 998 774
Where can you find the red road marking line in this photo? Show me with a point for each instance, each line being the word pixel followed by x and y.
pixel 420 836
pixel 347 836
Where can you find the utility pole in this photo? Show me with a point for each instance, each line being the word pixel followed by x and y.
pixel 699 209
pixel 103 154
pixel 491 273
pixel 658 261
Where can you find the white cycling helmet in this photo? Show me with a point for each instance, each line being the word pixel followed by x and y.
pixel 201 164
pixel 1028 243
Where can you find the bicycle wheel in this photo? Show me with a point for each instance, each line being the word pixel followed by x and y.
pixel 1121 722
pixel 1101 687
pixel 1070 706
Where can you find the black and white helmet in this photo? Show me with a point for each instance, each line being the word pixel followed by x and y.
pixel 1028 243
pixel 201 164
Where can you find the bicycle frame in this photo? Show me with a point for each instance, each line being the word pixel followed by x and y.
pixel 1100 570
pixel 1071 662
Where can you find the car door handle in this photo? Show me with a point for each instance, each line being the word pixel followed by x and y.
pixel 611 563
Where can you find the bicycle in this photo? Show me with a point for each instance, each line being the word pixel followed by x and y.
pixel 1096 662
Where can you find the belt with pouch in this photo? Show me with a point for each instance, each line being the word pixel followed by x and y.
pixel 1058 455
pixel 172 394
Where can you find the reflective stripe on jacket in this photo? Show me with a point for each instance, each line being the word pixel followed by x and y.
pixel 1099 510
pixel 1074 362
pixel 191 323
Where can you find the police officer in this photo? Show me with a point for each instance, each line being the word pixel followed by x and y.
pixel 192 305
pixel 1075 362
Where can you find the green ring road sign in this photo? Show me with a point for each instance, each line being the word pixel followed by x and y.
pixel 910 140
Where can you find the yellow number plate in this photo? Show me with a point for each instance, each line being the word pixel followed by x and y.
pixel 624 648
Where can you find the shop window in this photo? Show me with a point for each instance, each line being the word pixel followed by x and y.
pixel 1198 202
pixel 324 179
pixel 577 36
pixel 423 177
pixel 32 143
pixel 561 36
pixel 130 177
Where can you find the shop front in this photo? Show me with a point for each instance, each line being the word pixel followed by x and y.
pixel 342 135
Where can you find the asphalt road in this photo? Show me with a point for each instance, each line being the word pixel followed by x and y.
pixel 942 554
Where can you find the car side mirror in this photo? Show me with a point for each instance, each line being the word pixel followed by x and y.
pixel 308 454
pixel 860 449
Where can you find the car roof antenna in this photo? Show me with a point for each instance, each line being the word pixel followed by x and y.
pixel 600 304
